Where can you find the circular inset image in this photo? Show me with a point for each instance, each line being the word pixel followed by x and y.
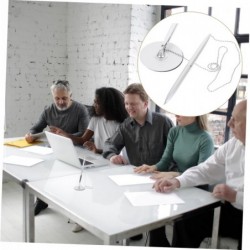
pixel 189 64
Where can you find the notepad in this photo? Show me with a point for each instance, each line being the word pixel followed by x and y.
pixel 21 143
pixel 21 160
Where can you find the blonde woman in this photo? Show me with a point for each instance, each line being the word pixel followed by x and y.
pixel 188 144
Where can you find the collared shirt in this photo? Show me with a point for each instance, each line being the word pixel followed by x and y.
pixel 144 144
pixel 226 165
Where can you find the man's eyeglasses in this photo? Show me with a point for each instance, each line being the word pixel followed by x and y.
pixel 63 82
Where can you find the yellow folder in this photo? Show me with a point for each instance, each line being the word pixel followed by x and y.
pixel 21 143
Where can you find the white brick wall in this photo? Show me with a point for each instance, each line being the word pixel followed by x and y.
pixel 91 45
pixel 98 47
pixel 36 57
pixel 143 18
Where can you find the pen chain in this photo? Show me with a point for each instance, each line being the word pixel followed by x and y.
pixel 213 66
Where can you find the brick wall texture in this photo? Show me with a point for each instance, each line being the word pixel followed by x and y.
pixel 91 45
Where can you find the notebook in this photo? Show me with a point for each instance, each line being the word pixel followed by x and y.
pixel 64 150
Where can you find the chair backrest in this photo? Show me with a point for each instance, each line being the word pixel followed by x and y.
pixel 90 109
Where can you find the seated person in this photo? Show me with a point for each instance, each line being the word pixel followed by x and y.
pixel 226 166
pixel 108 113
pixel 65 113
pixel 143 133
pixel 188 144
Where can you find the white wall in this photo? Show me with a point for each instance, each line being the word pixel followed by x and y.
pixel 98 47
pixel 143 18
pixel 36 56
pixel 91 45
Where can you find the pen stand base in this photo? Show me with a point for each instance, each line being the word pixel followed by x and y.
pixel 81 188
pixel 173 57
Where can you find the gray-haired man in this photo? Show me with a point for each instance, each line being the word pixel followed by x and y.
pixel 64 113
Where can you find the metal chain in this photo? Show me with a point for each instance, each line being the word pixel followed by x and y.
pixel 213 66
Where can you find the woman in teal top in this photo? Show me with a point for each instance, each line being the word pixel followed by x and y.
pixel 188 144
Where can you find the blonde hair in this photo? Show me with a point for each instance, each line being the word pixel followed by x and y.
pixel 202 122
pixel 137 88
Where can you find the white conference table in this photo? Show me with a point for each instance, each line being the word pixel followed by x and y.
pixel 105 211
pixel 102 210
pixel 47 169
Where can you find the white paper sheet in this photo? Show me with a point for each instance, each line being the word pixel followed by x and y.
pixel 131 179
pixel 21 160
pixel 151 198
pixel 38 150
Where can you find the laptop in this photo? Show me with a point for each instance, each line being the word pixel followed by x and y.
pixel 64 150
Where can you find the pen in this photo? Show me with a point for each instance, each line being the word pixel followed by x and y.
pixel 162 51
pixel 80 178
pixel 82 170
pixel 183 74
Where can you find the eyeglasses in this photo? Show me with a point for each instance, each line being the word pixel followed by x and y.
pixel 63 82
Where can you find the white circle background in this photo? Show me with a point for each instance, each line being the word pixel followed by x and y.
pixel 192 98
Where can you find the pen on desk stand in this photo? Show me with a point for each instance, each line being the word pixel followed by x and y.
pixel 162 52
pixel 82 170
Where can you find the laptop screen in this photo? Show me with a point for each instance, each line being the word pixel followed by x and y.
pixel 86 162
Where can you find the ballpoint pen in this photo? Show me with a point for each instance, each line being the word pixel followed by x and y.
pixel 80 178
pixel 162 51
pixel 185 71
pixel 79 187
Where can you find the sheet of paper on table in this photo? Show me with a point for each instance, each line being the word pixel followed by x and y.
pixel 21 160
pixel 131 179
pixel 151 198
pixel 38 150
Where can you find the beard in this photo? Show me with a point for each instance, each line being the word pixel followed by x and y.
pixel 62 108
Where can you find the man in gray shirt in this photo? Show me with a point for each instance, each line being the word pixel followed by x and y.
pixel 143 134
pixel 64 113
